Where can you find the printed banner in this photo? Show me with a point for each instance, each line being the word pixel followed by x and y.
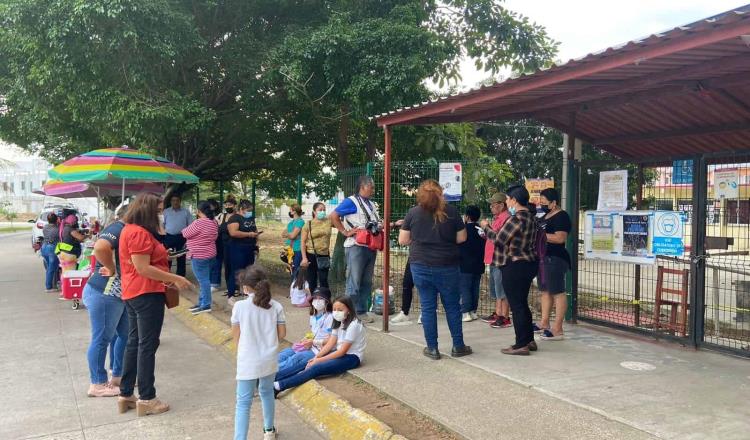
pixel 726 183
pixel 536 186
pixel 450 177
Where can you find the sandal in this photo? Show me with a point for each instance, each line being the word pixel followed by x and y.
pixel 548 336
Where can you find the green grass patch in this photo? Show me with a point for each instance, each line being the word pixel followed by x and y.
pixel 11 229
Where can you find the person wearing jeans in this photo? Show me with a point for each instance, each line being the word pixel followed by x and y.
pixel 201 242
pixel 472 264
pixel 245 391
pixel 433 230
pixel 52 265
pixel 144 272
pixel 354 214
pixel 109 328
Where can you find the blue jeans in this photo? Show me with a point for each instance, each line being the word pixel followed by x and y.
pixel 109 323
pixel 245 390
pixel 326 368
pixel 497 291
pixel 291 362
pixel 52 264
pixel 470 291
pixel 443 281
pixel 360 265
pixel 202 272
pixel 240 256
pixel 216 266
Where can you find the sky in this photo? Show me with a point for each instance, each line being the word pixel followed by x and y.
pixel 585 26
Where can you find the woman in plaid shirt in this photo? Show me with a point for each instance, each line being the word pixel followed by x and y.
pixel 517 259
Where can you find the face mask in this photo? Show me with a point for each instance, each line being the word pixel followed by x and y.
pixel 339 315
pixel 161 218
pixel 229 210
pixel 319 304
pixel 512 210
pixel 248 214
pixel 321 215
pixel 545 209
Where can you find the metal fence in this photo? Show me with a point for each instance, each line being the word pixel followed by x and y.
pixel 665 299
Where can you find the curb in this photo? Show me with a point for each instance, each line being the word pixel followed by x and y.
pixel 330 414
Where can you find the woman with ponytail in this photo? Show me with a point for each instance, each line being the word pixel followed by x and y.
pixel 258 323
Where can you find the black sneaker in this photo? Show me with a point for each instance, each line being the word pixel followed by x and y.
pixel 490 318
pixel 195 307
pixel 432 353
pixel 202 310
pixel 460 352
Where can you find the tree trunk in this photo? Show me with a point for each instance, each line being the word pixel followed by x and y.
pixel 370 146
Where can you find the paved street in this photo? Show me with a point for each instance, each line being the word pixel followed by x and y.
pixel 44 374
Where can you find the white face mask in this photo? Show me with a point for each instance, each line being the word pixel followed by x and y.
pixel 339 315
pixel 319 304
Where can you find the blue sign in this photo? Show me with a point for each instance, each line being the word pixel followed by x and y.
pixel 670 246
pixel 668 234
pixel 682 172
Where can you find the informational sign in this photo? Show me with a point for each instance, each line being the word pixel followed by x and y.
pixel 536 186
pixel 613 191
pixel 450 179
pixel 633 236
pixel 682 172
pixel 668 233
pixel 726 183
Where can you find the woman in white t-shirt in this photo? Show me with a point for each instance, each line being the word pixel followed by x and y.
pixel 258 323
pixel 344 350
pixel 299 291
pixel 294 359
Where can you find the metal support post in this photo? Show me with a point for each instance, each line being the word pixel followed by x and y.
pixel 386 223
pixel 697 298
pixel 637 291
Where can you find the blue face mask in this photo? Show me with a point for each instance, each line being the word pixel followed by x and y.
pixel 512 210
pixel 248 214
pixel 321 215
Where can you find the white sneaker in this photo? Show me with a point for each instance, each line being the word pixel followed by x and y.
pixel 419 320
pixel 401 319
pixel 214 289
pixel 467 317
pixel 270 435
pixel 474 315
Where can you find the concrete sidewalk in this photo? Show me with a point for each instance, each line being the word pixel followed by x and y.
pixel 44 374
pixel 595 384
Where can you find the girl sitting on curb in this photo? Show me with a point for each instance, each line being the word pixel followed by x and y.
pixel 258 324
pixel 344 350
pixel 294 359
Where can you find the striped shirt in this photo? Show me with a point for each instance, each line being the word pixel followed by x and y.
pixel 201 238
pixel 516 239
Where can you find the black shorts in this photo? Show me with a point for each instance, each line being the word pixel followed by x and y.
pixel 551 275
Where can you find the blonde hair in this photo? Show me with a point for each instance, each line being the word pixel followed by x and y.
pixel 430 198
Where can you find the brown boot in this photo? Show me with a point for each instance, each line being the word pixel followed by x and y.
pixel 126 403
pixel 149 407
pixel 522 351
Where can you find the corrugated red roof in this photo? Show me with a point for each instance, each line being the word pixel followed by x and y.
pixel 680 92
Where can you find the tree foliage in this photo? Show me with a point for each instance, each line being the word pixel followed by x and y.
pixel 268 87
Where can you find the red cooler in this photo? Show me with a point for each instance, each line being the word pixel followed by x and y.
pixel 73 282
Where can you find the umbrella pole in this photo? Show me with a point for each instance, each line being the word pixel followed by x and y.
pixel 123 191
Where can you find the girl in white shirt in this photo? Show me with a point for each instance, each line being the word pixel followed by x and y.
pixel 299 291
pixel 258 323
pixel 294 359
pixel 344 350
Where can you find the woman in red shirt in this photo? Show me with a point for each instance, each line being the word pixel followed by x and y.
pixel 145 273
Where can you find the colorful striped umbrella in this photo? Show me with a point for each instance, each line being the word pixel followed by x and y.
pixel 71 190
pixel 117 165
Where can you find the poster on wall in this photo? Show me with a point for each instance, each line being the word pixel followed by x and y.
pixel 726 183
pixel 450 177
pixel 633 236
pixel 536 186
pixel 613 191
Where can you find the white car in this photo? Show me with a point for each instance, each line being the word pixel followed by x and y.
pixel 41 220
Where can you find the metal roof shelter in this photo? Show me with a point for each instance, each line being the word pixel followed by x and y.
pixel 682 93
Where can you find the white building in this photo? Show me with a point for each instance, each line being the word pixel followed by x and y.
pixel 18 178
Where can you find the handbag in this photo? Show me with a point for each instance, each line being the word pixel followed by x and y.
pixel 322 261
pixel 172 296
pixel 366 238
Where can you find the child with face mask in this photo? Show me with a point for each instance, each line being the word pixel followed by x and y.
pixel 343 351
pixel 294 359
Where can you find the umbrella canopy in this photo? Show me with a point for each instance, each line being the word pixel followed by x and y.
pixel 72 190
pixel 115 165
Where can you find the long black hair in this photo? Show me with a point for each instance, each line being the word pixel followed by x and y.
pixel 207 209
pixel 520 193
pixel 346 301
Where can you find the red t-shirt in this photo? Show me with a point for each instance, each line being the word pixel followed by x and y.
pixel 489 246
pixel 135 240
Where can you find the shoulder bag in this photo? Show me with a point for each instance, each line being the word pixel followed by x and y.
pixel 366 238
pixel 323 261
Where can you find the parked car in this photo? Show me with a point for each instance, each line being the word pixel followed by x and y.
pixel 41 220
